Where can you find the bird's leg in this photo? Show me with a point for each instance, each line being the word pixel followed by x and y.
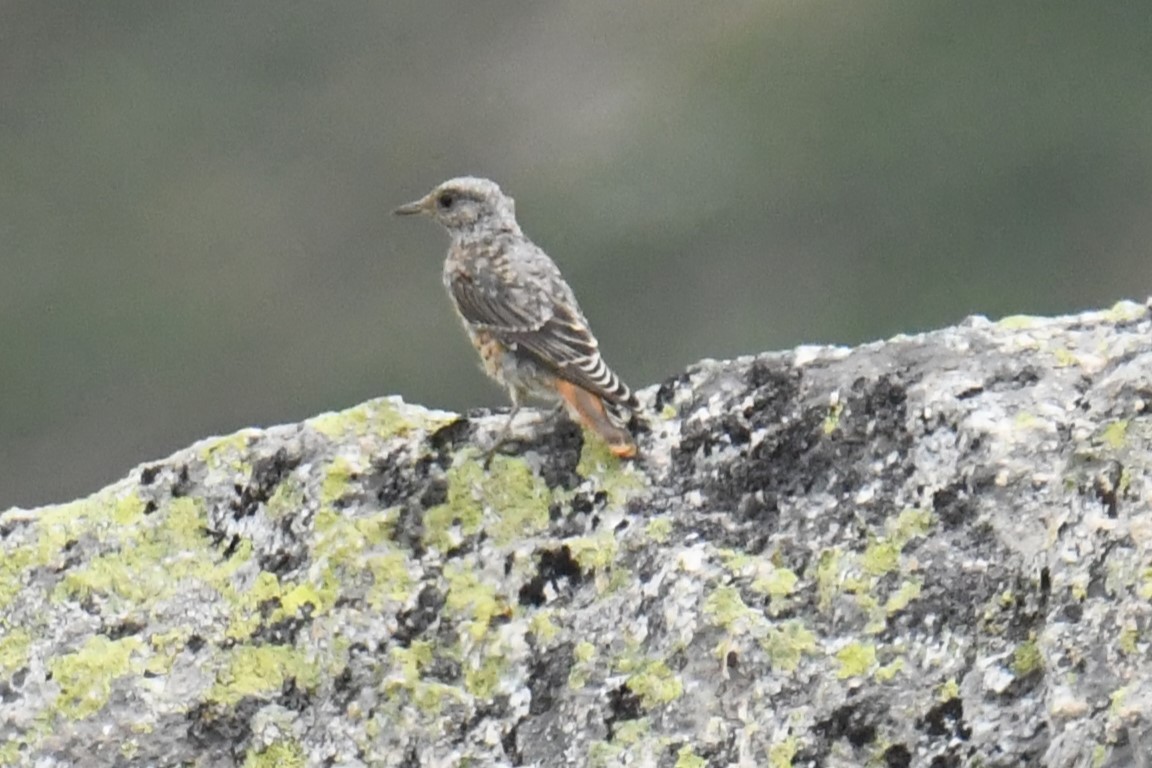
pixel 555 412
pixel 505 431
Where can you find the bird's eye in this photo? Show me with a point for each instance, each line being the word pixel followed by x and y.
pixel 445 200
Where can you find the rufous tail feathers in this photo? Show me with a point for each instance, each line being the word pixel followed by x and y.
pixel 589 409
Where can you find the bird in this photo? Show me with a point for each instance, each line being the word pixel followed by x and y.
pixel 521 315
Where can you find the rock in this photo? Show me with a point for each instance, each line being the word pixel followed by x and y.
pixel 929 551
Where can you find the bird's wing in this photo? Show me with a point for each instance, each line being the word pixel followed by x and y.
pixel 566 345
pixel 490 303
pixel 540 317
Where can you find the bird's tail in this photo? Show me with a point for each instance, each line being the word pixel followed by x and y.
pixel 589 409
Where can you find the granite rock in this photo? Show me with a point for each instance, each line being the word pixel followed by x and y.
pixel 934 550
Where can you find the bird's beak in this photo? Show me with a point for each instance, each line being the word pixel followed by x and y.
pixel 412 208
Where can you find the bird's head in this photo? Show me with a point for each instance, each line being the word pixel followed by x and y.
pixel 465 204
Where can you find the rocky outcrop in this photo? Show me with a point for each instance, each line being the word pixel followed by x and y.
pixel 929 551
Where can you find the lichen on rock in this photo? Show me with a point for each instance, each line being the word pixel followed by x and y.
pixel 933 550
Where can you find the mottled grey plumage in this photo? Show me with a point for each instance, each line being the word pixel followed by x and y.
pixel 517 309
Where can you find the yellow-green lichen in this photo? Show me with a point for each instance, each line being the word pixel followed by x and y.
pixel 1125 481
pixel 602 754
pixel 337 477
pixel 472 600
pixel 287 500
pixel 507 501
pixel 687 758
pixel 1126 641
pixel 1117 700
pixel 584 652
pixel 787 643
pixel 165 646
pixel 391 579
pixel 734 561
pixel 261 670
pixel 409 661
pixel 578 677
pixel 14 648
pixel 483 679
pixel 1025 420
pixel 832 418
pixel 1115 435
pixel 597 551
pixel 659 529
pixel 595 457
pixel 282 754
pixel 911 523
pixel 85 677
pixel 860 575
pixel 127 510
pixel 652 681
pixel 152 558
pixel 542 627
pixel 1019 322
pixel 432 697
pixel 347 551
pixel 173 640
pixel 14 567
pixel 1144 587
pixel 877 617
pixel 10 752
pixel 105 517
pixel 247 604
pixel 725 607
pixel 1065 358
pixel 880 557
pixel 888 672
pixel 227 452
pixel 828 577
pixel 117 574
pixel 782 753
pixel 855 659
pixel 777 583
pixel 618 578
pixel 1126 311
pixel 904 594
pixel 1026 659
pixel 289 600
pixel 948 690
pixel 618 479
pixel 304 597
pixel 343 542
pixel 381 418
pixel 630 732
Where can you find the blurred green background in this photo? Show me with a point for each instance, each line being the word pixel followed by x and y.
pixel 193 196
